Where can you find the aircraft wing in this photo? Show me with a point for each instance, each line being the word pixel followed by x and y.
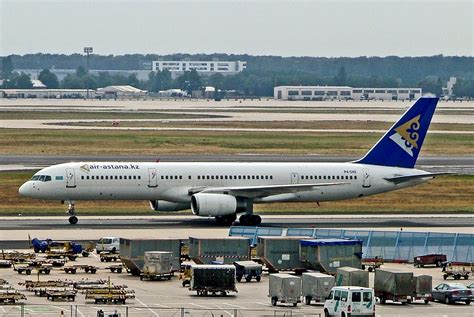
pixel 402 179
pixel 261 191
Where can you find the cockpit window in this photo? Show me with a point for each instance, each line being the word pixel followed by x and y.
pixel 41 178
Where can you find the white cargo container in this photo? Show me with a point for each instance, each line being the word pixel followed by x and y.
pixel 158 265
pixel 284 288
pixel 316 286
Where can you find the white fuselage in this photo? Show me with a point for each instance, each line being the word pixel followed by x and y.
pixel 174 181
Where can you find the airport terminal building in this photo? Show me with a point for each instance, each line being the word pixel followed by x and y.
pixel 202 67
pixel 320 93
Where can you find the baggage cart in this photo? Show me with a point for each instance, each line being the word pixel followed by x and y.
pixel 422 286
pixel 393 285
pixel 284 288
pixel 11 296
pixel 65 294
pixel 86 268
pixel 31 285
pixel 5 264
pixel 316 286
pixel 117 268
pixel 436 259
pixel 371 264
pixel 248 270
pixel 28 269
pixel 208 279
pixel 457 272
pixel 109 257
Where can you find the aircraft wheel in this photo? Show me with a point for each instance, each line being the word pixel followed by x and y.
pixel 255 220
pixel 244 220
pixel 73 220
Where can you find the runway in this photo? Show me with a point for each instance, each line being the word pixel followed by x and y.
pixel 286 220
pixel 454 164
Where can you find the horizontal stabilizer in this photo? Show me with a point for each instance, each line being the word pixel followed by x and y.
pixel 402 179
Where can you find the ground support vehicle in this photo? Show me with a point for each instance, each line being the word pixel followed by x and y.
pixel 248 270
pixel 456 271
pixel 61 254
pixel 28 269
pixel 108 245
pixel 11 296
pixel 316 286
pixel 86 268
pixel 350 301
pixel 185 274
pixel 55 294
pixel 5 264
pixel 209 279
pixel 84 285
pixel 109 295
pixel 158 265
pixel 429 259
pixel 117 268
pixel 393 285
pixel 284 288
pixel 16 256
pixel 372 264
pixel 422 285
pixel 31 285
pixel 109 257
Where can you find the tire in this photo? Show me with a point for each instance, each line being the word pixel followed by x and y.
pixel 445 276
pixel 248 278
pixel 468 302
pixel 239 278
pixel 427 301
pixel 466 277
pixel 438 263
pixel 363 266
pixel 93 271
pixel 274 301
pixel 307 300
pixel 119 270
pixel 447 300
pixel 258 278
pixel 370 269
pixel 383 300
pixel 114 250
pixel 294 304
pixel 244 220
pixel 28 272
pixel 255 220
pixel 326 313
pixel 73 220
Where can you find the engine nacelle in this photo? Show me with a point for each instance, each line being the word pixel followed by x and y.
pixel 167 206
pixel 217 204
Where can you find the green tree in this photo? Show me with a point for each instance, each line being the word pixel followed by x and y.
pixel 432 85
pixel 49 79
pixel 132 80
pixel 7 67
pixel 341 78
pixel 81 71
pixel 24 81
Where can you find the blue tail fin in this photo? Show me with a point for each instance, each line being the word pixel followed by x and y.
pixel 402 143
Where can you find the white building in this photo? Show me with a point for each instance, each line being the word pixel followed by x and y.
pixel 202 67
pixel 319 93
pixel 121 91
pixel 47 93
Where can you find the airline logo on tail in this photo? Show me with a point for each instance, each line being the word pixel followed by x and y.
pixel 406 135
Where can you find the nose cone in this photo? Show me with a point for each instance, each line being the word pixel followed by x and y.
pixel 24 189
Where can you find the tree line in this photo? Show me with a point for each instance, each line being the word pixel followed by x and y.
pixel 262 74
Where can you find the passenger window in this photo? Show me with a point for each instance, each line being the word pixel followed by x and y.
pixel 120 177
pixel 189 177
pixel 355 177
pixel 367 297
pixel 337 295
pixel 356 297
pixel 134 177
pixel 344 296
pixel 102 177
pixel 271 177
pixel 106 177
pixel 87 177
pixel 139 177
pixel 330 295
pixel 82 177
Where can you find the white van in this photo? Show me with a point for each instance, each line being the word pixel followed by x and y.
pixel 108 244
pixel 351 301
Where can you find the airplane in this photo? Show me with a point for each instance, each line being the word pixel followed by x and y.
pixel 224 190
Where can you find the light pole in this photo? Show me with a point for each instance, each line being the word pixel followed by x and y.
pixel 87 51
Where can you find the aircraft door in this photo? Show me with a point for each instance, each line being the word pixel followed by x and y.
pixel 70 178
pixel 366 178
pixel 152 178
pixel 294 178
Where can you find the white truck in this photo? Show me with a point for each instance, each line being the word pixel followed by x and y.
pixel 108 244
pixel 345 301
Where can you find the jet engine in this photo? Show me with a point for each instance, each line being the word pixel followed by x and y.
pixel 167 206
pixel 217 204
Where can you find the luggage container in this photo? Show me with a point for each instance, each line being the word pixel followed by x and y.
pixel 248 270
pixel 350 276
pixel 210 279
pixel 393 285
pixel 316 286
pixel 223 250
pixel 158 265
pixel 326 255
pixel 284 288
pixel 422 286
pixel 132 252
pixel 280 253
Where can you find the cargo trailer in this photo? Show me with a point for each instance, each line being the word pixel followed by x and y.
pixel 284 288
pixel 422 286
pixel 326 255
pixel 132 252
pixel 316 286
pixel 223 250
pixel 208 279
pixel 280 253
pixel 350 276
pixel 248 270
pixel 393 285
pixel 158 265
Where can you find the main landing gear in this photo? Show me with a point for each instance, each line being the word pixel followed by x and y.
pixel 226 220
pixel 72 213
pixel 250 220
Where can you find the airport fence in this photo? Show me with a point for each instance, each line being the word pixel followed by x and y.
pixel 398 246
pixel 29 310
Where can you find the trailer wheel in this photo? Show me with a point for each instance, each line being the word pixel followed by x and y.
pixel 307 300
pixel 326 313
pixel 46 272
pixel 363 266
pixel 294 304
pixel 370 269
pixel 468 302
pixel 238 278
pixel 445 276
pixel 466 277
pixel 439 263
pixel 258 278
pixel 274 301
pixel 248 278
pixel 119 270
pixel 382 300
pixel 102 259
pixel 28 272
pixel 427 301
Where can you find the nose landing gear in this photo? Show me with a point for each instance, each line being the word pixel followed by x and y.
pixel 72 214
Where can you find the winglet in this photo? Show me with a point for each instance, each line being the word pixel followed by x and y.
pixel 401 144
